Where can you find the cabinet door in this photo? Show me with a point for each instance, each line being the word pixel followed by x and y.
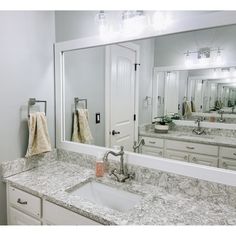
pixel 152 151
pixel 175 155
pixel 19 218
pixel 227 163
pixel 203 160
pixel 57 215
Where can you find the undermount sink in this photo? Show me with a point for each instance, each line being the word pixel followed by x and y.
pixel 105 195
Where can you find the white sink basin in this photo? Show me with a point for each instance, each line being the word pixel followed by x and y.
pixel 105 195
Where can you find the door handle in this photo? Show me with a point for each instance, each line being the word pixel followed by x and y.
pixel 115 132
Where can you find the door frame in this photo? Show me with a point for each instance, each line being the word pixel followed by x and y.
pixel 136 48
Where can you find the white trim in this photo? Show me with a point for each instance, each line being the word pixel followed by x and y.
pixel 192 170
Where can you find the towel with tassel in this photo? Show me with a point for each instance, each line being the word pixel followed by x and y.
pixel 39 141
pixel 81 132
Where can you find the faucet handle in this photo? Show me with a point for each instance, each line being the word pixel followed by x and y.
pixel 122 148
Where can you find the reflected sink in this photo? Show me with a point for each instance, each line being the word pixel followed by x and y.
pixel 105 195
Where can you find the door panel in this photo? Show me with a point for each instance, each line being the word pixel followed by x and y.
pixel 122 92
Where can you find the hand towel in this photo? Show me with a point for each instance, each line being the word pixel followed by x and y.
pixel 81 130
pixel 187 111
pixel 193 108
pixel 39 141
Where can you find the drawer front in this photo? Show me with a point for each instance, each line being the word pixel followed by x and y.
pixel 175 155
pixel 153 142
pixel 226 163
pixel 57 215
pixel 203 160
pixel 19 218
pixel 25 201
pixel 152 151
pixel 192 147
pixel 228 152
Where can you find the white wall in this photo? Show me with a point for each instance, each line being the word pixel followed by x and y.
pixel 26 46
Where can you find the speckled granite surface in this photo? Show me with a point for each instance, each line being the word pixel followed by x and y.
pixel 168 199
pixel 8 168
pixel 225 138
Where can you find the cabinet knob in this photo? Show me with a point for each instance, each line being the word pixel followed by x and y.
pixel 189 147
pixel 152 142
pixel 21 202
pixel 224 164
pixel 195 159
pixel 115 132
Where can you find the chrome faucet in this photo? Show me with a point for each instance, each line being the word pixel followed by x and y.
pixel 121 176
pixel 140 143
pixel 221 119
pixel 199 130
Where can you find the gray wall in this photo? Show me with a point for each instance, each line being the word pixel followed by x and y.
pixel 85 78
pixel 170 49
pixel 26 46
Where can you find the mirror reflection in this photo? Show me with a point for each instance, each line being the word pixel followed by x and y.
pixel 140 95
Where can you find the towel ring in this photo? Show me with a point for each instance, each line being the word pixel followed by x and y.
pixel 33 101
pixel 77 100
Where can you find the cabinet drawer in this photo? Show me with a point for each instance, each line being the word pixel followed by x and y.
pixel 192 147
pixel 175 155
pixel 154 142
pixel 25 201
pixel 152 151
pixel 203 160
pixel 226 163
pixel 19 218
pixel 228 152
pixel 57 215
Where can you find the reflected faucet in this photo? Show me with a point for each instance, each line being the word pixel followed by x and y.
pixel 199 130
pixel 140 143
pixel 221 119
pixel 121 176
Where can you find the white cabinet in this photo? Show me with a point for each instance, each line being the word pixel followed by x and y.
pixel 153 146
pixel 198 153
pixel 17 217
pixel 57 215
pixel 176 155
pixel 204 160
pixel 227 158
pixel 25 209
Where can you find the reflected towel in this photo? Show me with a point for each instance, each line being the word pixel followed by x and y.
pixel 193 108
pixel 39 141
pixel 81 132
pixel 187 111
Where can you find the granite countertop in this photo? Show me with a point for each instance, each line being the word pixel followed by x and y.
pixel 190 137
pixel 157 207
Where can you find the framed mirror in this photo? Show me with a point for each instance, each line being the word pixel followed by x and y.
pixel 116 94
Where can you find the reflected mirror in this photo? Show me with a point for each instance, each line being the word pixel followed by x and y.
pixel 169 96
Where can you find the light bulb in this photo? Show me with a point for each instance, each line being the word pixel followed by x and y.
pixel 161 20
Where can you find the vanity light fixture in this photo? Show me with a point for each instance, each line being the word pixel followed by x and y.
pixel 133 22
pixel 105 29
pixel 204 56
pixel 161 20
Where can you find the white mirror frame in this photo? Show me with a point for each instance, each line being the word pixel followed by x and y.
pixel 177 167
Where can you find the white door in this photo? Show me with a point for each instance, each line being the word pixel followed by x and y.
pixel 122 97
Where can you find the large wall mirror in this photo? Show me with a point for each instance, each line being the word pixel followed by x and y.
pixel 127 93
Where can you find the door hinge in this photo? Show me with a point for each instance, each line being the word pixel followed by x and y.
pixel 135 66
pixel 134 117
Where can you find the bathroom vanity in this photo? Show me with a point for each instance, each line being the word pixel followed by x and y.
pixel 53 194
pixel 211 150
